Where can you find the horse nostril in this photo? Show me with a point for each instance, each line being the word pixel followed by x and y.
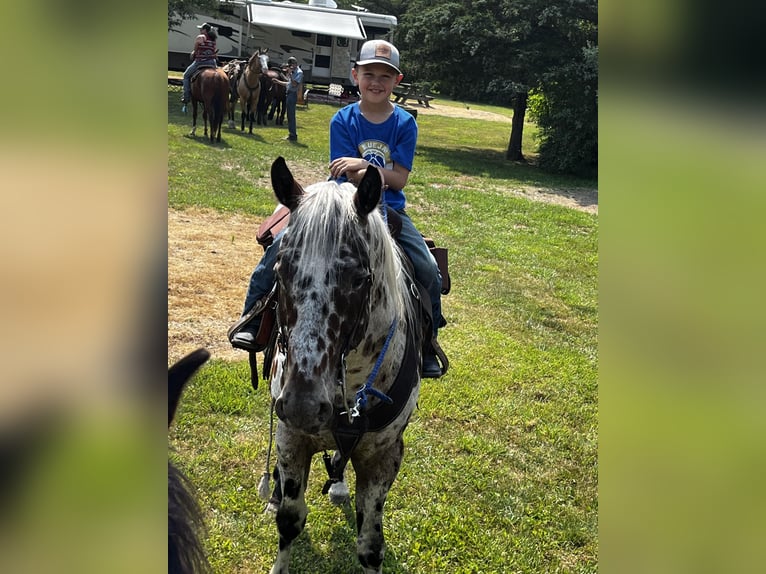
pixel 279 409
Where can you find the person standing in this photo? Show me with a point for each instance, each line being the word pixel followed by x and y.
pixel 293 85
pixel 204 53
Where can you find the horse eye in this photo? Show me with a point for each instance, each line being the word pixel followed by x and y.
pixel 361 281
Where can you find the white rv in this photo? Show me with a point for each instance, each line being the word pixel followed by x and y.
pixel 324 39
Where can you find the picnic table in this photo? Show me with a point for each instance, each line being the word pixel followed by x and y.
pixel 404 92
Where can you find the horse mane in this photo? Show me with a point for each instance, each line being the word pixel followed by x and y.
pixel 186 553
pixel 330 206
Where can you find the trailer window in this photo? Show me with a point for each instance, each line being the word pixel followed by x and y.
pixel 321 61
pixel 324 40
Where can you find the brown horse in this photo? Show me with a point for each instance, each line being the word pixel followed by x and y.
pixel 249 87
pixel 278 96
pixel 211 87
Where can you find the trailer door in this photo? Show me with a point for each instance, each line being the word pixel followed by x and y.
pixel 341 60
pixel 320 72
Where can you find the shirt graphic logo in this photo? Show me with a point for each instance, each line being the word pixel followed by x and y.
pixel 376 152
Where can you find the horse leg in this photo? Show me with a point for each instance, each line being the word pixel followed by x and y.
pixel 205 115
pixel 194 118
pixel 374 476
pixel 291 516
pixel 338 492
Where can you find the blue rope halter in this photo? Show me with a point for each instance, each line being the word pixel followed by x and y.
pixel 367 388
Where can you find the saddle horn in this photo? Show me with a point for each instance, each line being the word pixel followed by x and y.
pixel 287 190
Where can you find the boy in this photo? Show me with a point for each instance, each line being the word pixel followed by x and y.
pixel 373 132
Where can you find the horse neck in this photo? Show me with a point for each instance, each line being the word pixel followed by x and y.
pixel 390 309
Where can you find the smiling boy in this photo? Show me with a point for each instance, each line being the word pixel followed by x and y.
pixel 375 131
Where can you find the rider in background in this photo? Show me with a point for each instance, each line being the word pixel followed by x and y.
pixel 204 53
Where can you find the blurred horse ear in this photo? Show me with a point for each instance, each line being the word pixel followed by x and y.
pixel 287 190
pixel 367 195
pixel 179 374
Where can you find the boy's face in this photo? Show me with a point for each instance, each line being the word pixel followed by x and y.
pixel 376 81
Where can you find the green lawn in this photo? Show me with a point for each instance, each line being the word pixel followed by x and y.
pixel 500 471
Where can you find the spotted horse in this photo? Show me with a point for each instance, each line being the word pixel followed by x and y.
pixel 346 371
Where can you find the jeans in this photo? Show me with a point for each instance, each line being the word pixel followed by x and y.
pixel 189 72
pixel 291 100
pixel 426 269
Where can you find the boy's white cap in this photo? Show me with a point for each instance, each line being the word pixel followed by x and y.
pixel 379 52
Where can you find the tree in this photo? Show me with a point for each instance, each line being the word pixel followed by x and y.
pixel 499 51
pixel 179 10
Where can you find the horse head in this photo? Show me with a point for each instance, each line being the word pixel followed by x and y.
pixel 263 59
pixel 332 279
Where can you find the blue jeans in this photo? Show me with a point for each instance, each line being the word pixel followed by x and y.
pixel 291 100
pixel 189 72
pixel 426 269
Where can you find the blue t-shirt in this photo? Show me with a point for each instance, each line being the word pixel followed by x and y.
pixel 393 141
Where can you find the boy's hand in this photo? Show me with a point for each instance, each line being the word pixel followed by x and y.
pixel 351 166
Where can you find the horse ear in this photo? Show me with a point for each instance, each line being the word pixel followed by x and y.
pixel 179 374
pixel 287 190
pixel 367 195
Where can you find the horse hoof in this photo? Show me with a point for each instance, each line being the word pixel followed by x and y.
pixel 271 508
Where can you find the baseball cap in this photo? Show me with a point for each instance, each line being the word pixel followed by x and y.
pixel 205 26
pixel 379 51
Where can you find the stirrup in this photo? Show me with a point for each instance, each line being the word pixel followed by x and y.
pixel 440 355
pixel 243 321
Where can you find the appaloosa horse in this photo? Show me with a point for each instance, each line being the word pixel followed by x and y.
pixel 350 338
pixel 249 87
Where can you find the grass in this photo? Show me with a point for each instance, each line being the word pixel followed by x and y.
pixel 500 470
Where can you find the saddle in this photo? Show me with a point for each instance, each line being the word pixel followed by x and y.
pixel 278 220
pixel 199 70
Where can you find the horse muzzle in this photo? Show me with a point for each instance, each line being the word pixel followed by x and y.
pixel 303 405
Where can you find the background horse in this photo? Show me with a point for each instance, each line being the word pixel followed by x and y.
pixel 233 70
pixel 249 87
pixel 186 554
pixel 211 87
pixel 278 96
pixel 350 341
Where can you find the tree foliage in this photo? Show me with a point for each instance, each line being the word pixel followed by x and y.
pixel 179 10
pixel 498 51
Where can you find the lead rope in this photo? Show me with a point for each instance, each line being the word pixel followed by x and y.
pixel 368 389
pixel 264 487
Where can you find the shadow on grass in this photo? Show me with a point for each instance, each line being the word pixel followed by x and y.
pixel 494 165
pixel 341 556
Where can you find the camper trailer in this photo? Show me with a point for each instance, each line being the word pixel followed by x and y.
pixel 324 39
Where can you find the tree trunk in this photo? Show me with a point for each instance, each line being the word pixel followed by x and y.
pixel 517 127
